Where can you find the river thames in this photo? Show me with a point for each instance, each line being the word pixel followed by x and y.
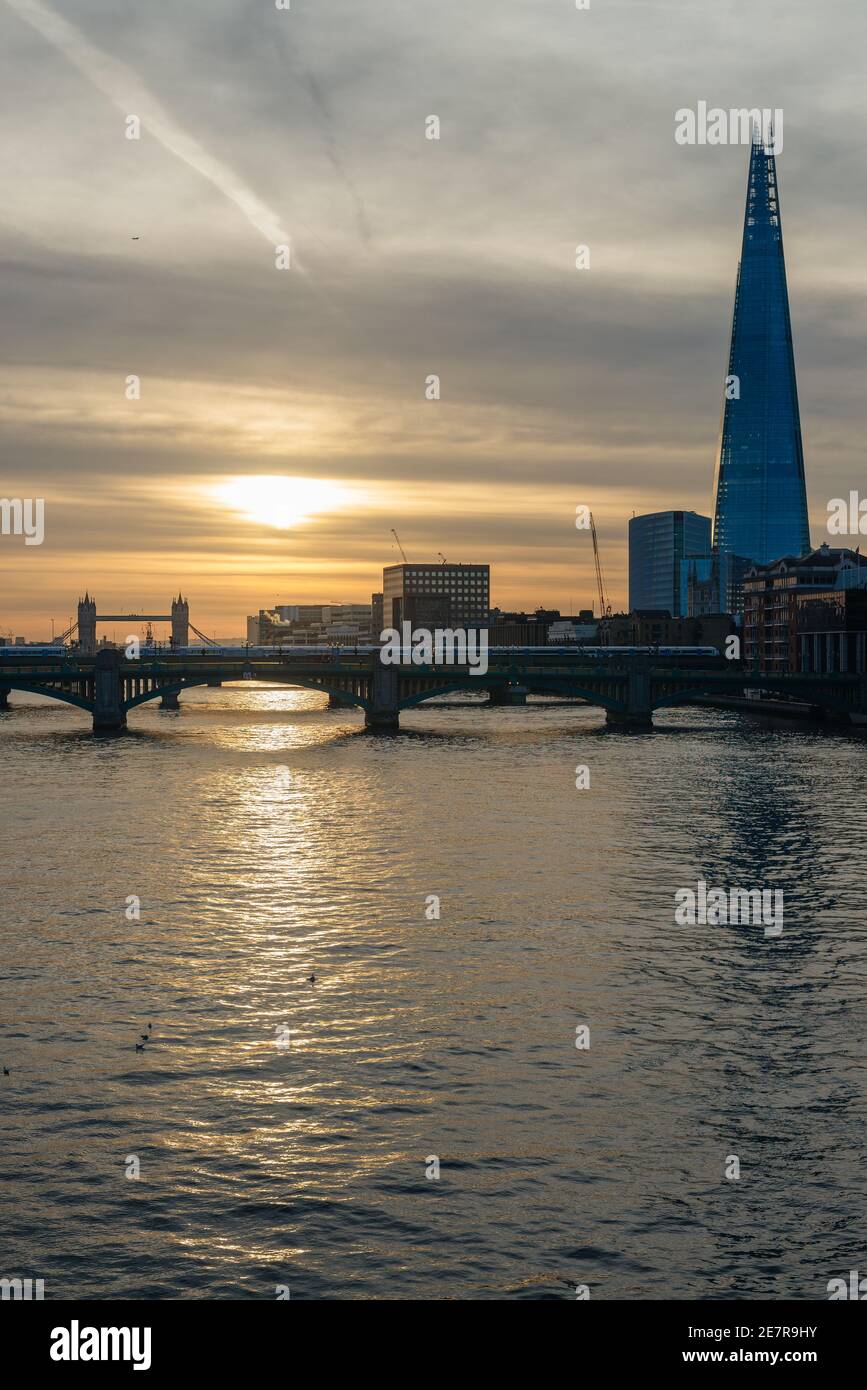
pixel 283 1129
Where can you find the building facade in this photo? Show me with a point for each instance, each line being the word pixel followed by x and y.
pixel 713 583
pixel 831 631
pixel 376 623
pixel 433 596
pixel 315 624
pixel 658 628
pixel 536 629
pixel 772 594
pixel 659 544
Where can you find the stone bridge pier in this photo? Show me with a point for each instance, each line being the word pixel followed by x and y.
pixel 108 707
pixel 383 713
pixel 638 714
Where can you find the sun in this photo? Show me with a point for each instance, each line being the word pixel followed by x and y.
pixel 280 501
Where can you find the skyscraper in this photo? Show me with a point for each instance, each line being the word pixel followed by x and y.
pixel 761 501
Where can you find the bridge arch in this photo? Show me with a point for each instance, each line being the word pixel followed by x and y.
pixel 65 696
pixel 574 692
pixel 419 696
pixel 348 697
pixel 542 687
pixel 826 700
pixel 683 697
pixel 159 690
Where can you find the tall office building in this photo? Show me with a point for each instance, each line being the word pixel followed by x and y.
pixel 761 501
pixel 659 543
pixel 375 616
pixel 436 595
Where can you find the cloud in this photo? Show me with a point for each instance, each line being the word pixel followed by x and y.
pixel 126 90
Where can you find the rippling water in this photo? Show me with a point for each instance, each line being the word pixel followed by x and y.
pixel 269 839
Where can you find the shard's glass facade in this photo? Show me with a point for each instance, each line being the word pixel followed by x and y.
pixel 761 500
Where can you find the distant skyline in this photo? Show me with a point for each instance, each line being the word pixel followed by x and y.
pixel 410 257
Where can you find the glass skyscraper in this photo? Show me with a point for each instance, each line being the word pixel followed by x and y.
pixel 659 543
pixel 761 500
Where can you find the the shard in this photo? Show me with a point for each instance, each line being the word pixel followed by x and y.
pixel 761 500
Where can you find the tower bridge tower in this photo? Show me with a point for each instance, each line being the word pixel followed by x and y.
pixel 87 624
pixel 180 622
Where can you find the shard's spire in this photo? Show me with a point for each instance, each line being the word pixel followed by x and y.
pixel 761 501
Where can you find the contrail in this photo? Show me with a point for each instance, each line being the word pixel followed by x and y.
pixel 123 87
pixel 336 161
pixel 295 61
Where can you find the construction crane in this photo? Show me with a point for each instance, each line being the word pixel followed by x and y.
pixel 604 605
pixel 399 546
pixel 442 557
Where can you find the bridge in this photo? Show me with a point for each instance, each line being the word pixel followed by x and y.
pixel 88 619
pixel 108 684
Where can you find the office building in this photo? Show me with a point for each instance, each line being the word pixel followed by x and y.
pixel 434 596
pixel 659 542
pixel 772 594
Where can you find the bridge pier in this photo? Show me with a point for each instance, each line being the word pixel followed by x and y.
pixel 335 702
pixel 638 714
pixel 4 699
pixel 170 700
pixel 510 694
pixel 108 708
pixel 383 716
pixel 214 682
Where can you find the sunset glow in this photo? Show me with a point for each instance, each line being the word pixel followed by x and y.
pixel 281 502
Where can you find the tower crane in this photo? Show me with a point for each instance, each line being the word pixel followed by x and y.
pixel 604 605
pixel 399 546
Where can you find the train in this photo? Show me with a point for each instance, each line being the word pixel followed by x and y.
pixel 19 649
pixel 690 656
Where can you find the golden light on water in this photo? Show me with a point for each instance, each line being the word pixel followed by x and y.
pixel 280 501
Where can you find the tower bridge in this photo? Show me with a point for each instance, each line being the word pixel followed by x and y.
pixel 109 685
pixel 179 617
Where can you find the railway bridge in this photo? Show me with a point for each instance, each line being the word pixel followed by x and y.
pixel 108 684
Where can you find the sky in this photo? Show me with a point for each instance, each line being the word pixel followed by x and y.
pixel 409 258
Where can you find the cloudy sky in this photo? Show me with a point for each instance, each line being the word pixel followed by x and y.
pixel 409 257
